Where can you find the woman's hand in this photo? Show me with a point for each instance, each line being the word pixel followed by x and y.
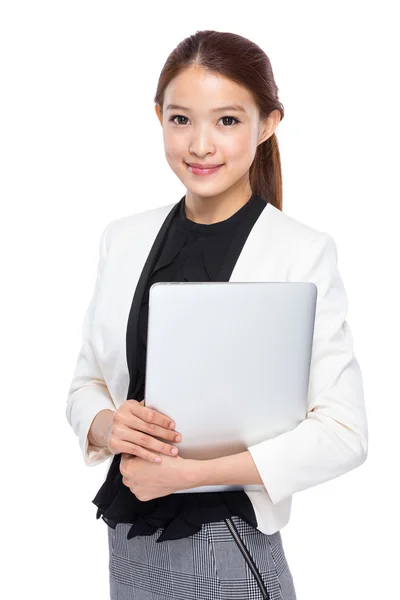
pixel 148 480
pixel 134 429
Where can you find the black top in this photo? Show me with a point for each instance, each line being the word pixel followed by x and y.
pixel 190 252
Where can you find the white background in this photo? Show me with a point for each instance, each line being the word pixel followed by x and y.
pixel 80 145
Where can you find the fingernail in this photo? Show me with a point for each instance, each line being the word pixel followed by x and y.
pixel 174 450
pixel 178 438
pixel 172 426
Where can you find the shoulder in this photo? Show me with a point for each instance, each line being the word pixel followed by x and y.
pixel 294 231
pixel 306 248
pixel 137 224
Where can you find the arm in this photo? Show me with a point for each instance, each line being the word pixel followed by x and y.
pixel 88 394
pixel 235 469
pixel 97 435
pixel 333 438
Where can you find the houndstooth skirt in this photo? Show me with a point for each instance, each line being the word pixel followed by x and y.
pixel 225 560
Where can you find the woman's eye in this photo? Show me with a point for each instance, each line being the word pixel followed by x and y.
pixel 231 118
pixel 177 117
pixel 182 117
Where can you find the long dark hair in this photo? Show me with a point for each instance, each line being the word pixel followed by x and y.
pixel 245 63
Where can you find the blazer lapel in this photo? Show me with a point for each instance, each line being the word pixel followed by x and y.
pixel 133 319
pixel 254 254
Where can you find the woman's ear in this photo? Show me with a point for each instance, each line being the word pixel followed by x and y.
pixel 268 125
pixel 158 113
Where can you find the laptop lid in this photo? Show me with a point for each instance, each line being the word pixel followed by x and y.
pixel 229 362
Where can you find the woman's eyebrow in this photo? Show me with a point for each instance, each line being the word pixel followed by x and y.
pixel 235 107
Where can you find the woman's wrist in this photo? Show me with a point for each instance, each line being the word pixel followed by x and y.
pixel 97 435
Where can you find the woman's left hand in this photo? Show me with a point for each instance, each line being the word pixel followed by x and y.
pixel 148 480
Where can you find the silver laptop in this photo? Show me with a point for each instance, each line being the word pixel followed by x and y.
pixel 229 362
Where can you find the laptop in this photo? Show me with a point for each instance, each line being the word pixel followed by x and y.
pixel 229 362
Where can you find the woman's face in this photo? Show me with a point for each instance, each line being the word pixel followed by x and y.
pixel 201 133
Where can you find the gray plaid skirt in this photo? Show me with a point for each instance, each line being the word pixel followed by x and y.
pixel 225 560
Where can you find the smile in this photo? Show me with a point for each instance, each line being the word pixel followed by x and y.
pixel 198 171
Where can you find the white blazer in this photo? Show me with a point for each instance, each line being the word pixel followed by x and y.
pixel 332 440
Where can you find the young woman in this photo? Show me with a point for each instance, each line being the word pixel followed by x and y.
pixel 218 106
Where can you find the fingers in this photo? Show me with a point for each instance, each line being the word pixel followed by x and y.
pixel 123 437
pixel 135 430
pixel 150 415
pixel 151 422
pixel 135 450
pixel 154 430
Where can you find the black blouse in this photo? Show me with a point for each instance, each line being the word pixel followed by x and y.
pixel 190 252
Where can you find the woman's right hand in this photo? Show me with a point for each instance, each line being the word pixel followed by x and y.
pixel 133 428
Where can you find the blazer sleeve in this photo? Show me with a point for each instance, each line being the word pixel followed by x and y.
pixel 88 393
pixel 333 438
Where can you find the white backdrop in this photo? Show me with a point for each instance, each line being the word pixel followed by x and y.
pixel 80 145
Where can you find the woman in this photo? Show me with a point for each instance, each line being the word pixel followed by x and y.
pixel 218 106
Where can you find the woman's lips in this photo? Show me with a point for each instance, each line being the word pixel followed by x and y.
pixel 197 171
